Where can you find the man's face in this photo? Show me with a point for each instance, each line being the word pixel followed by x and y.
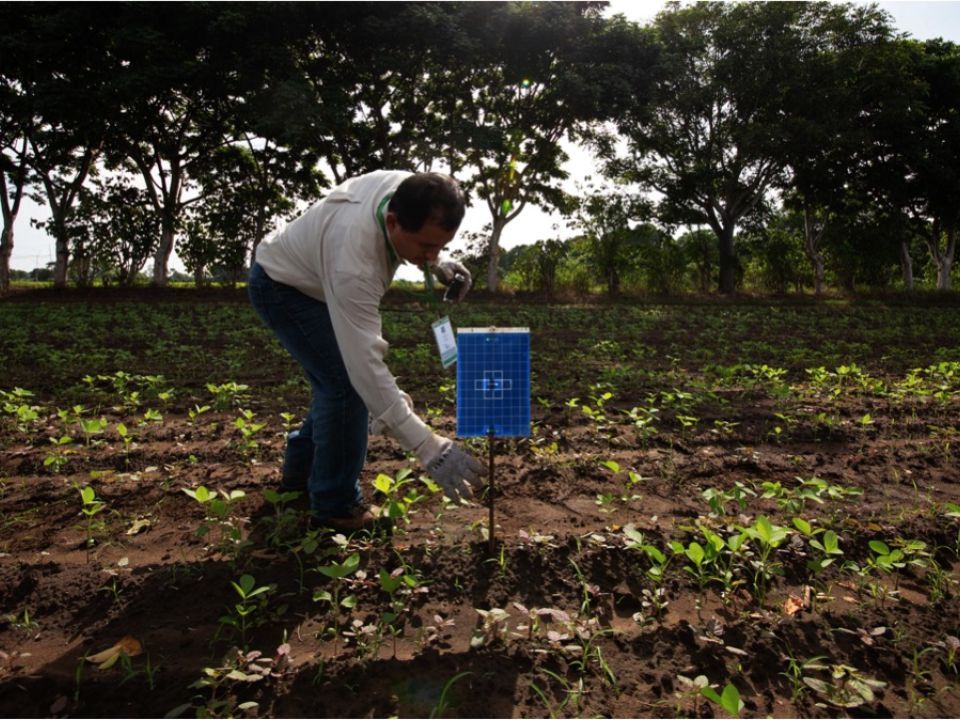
pixel 422 246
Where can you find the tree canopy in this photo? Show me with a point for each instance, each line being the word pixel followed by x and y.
pixel 204 123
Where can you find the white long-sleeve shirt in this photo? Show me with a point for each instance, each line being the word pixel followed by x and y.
pixel 337 252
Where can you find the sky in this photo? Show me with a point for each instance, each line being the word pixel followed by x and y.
pixel 921 20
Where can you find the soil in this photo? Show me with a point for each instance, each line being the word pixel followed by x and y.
pixel 563 500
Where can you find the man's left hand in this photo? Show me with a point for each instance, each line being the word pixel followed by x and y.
pixel 447 273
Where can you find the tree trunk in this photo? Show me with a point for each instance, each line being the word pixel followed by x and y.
pixel 198 279
pixel 946 260
pixel 943 259
pixel 811 237
pixel 6 251
pixel 10 204
pixel 493 248
pixel 906 264
pixel 161 260
pixel 613 283
pixel 728 261
pixel 63 250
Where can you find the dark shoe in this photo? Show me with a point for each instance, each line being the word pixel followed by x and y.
pixel 362 518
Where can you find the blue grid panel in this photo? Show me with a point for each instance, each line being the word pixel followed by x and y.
pixel 493 383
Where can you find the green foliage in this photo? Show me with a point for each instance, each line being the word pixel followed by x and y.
pixel 728 699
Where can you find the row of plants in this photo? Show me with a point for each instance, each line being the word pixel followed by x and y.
pixel 776 541
pixel 369 594
pixel 44 345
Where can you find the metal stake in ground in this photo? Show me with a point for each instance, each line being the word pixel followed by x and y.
pixel 490 493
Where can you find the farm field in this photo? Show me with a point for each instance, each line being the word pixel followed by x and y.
pixel 725 508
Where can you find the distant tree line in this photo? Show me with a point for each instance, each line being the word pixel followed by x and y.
pixel 793 143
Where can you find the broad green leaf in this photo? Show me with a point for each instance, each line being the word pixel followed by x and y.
pixel 383 483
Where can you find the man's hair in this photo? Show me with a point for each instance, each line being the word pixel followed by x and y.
pixel 430 197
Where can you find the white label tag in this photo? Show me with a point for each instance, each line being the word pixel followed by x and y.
pixel 446 341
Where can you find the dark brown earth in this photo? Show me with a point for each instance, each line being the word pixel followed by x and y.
pixel 561 507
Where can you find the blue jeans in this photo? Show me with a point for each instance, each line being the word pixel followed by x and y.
pixel 329 449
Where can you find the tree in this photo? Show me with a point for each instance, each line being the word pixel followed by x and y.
pixel 840 81
pixel 183 74
pixel 604 218
pixel 545 72
pixel 661 260
pixel 14 160
pixel 549 255
pixel 774 242
pixel 239 193
pixel 711 147
pixel 931 154
pixel 54 65
pixel 123 227
pixel 62 163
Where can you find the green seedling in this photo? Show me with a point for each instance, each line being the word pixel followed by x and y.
pixel 401 494
pixel 252 600
pixel 156 386
pixel 494 627
pixel 90 506
pixel 285 522
pixel 643 419
pixel 729 548
pixel 248 430
pixel 883 558
pixel 397 585
pixel 196 411
pixel 226 394
pixel 438 710
pixel 653 600
pixel 308 546
pixel 70 416
pixel 237 668
pixel 724 427
pixel 91 427
pixel 16 404
pixel 127 437
pixel 605 501
pixel 796 669
pixel 338 572
pixel 768 537
pixel 22 622
pixel 729 699
pixel 57 460
pixel 847 687
pixel 939 583
pixel 826 543
pixel 596 413
pixel 218 508
pixel 572 691
pixel 702 559
pixel 718 499
pixel 950 647
pixel 690 690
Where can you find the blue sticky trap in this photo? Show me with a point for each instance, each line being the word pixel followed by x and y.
pixel 493 382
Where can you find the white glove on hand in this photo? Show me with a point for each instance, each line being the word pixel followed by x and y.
pixel 451 467
pixel 407 399
pixel 447 271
